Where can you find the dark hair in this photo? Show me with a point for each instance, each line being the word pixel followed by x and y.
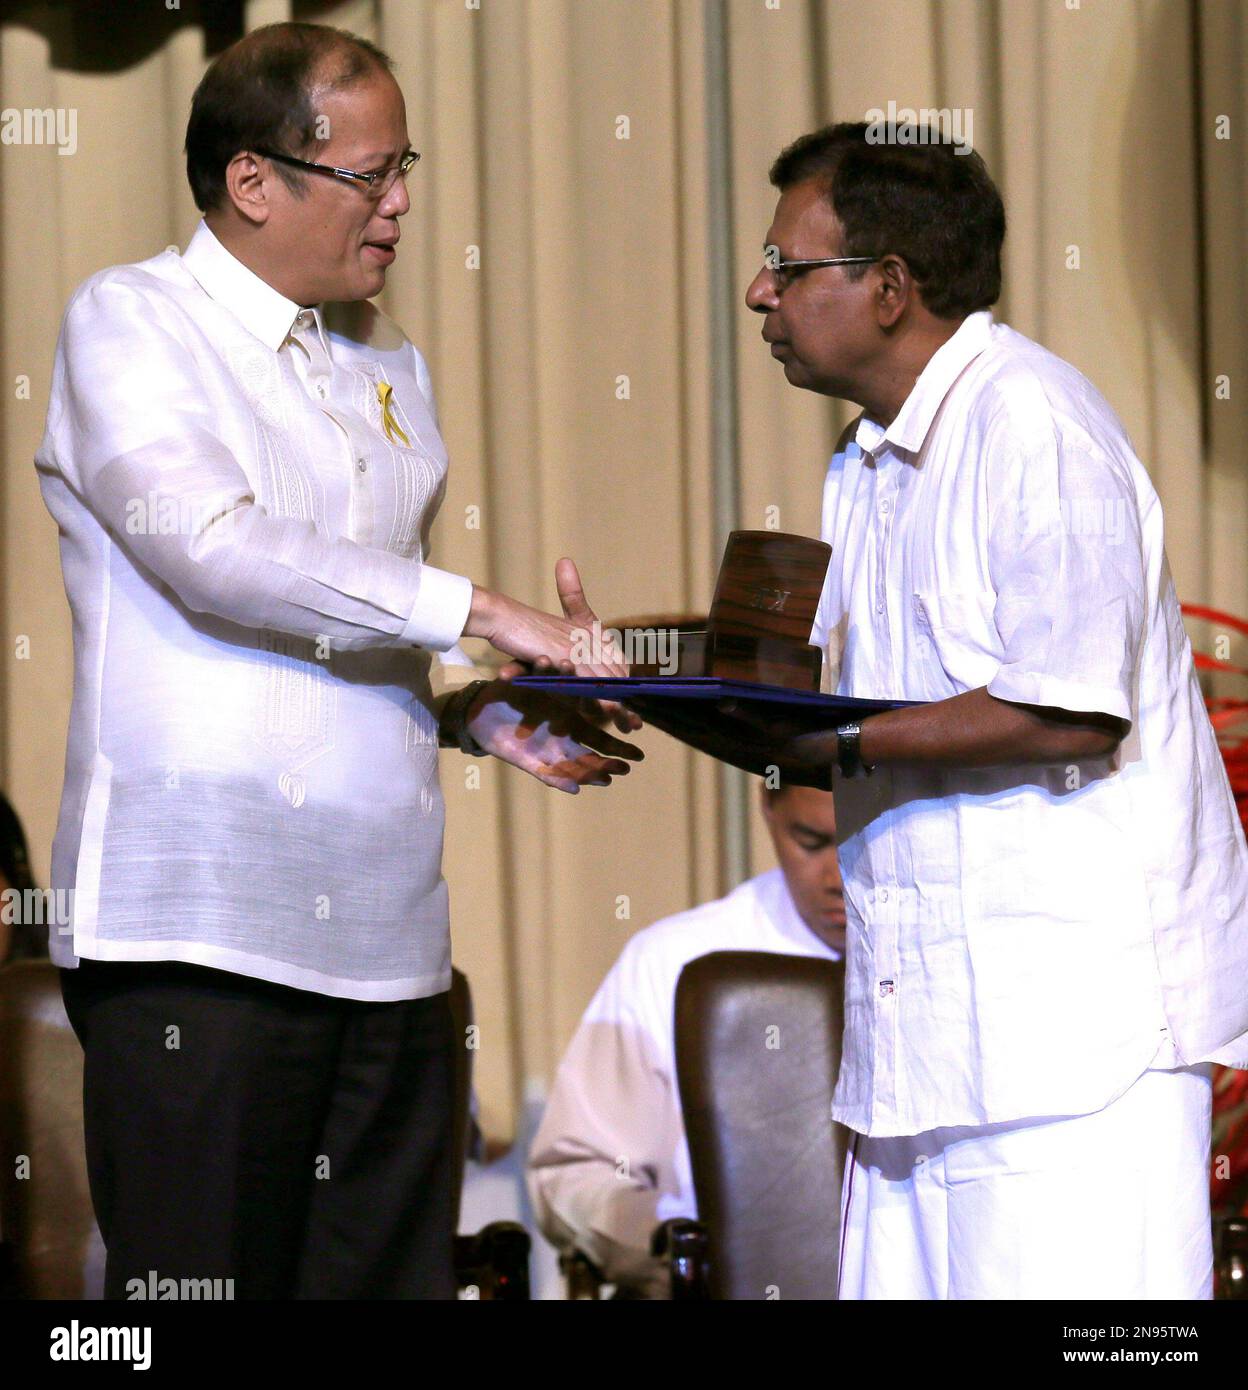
pixel 924 200
pixel 773 791
pixel 259 93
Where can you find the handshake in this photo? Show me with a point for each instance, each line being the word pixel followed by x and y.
pixel 563 743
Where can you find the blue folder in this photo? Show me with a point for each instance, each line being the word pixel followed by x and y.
pixel 794 703
pixel 721 717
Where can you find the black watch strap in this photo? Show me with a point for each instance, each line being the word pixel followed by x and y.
pixel 453 732
pixel 849 751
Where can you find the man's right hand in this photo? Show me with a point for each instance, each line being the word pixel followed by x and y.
pixel 529 634
pixel 547 737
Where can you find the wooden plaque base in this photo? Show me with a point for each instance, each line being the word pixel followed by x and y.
pixel 761 617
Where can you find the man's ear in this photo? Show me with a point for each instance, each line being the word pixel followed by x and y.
pixel 248 187
pixel 895 291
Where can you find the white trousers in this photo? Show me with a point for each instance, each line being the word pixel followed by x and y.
pixel 1109 1205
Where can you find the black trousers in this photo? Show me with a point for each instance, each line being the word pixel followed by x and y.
pixel 293 1142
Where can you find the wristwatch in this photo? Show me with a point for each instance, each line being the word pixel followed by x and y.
pixel 849 752
pixel 453 729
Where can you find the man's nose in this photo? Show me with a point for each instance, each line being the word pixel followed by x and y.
pixel 761 295
pixel 396 203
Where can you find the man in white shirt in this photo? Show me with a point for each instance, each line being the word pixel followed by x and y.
pixel 1045 876
pixel 610 1161
pixel 244 463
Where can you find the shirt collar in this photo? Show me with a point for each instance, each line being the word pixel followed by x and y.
pixel 262 311
pixel 777 902
pixel 909 429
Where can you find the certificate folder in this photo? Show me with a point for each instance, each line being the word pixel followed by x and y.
pixel 726 718
pixel 815 710
pixel 745 685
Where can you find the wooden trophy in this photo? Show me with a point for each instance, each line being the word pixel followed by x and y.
pixel 762 614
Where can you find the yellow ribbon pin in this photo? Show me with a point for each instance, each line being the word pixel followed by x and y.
pixel 389 424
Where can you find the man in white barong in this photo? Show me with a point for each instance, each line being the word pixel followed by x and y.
pixel 610 1161
pixel 243 459
pixel 1045 876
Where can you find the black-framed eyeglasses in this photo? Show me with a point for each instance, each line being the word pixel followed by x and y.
pixel 376 182
pixel 785 272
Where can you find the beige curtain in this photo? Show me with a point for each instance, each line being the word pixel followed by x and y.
pixel 565 147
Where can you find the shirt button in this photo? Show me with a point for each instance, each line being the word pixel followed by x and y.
pixel 879 607
pixel 885 508
pixel 320 390
pixel 883 895
pixel 361 465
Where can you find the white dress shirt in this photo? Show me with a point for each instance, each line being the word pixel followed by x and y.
pixel 1022 941
pixel 610 1161
pixel 251 778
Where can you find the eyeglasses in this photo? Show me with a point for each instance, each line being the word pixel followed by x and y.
pixel 785 272
pixel 376 183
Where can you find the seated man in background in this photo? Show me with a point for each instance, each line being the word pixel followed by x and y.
pixel 609 1161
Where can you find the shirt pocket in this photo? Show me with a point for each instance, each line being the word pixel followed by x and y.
pixel 956 640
